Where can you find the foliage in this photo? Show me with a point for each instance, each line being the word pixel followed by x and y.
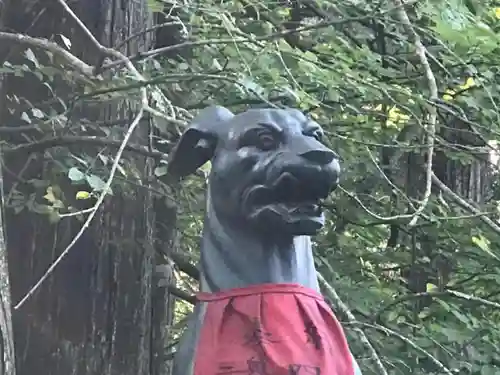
pixel 425 292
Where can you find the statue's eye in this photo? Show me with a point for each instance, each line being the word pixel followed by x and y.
pixel 266 140
pixel 318 136
pixel 262 138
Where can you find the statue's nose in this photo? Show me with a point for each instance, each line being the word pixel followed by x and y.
pixel 319 156
pixel 313 150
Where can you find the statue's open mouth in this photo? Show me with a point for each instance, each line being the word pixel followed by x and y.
pixel 296 202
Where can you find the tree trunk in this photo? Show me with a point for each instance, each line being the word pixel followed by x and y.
pixel 471 179
pixel 102 310
pixel 7 359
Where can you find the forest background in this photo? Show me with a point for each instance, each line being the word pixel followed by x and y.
pixel 98 248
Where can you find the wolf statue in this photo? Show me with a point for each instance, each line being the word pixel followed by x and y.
pixel 259 309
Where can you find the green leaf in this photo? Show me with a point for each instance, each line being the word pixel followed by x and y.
pixel 453 335
pixel 37 113
pixel 430 287
pixel 66 41
pixel 95 182
pixel 156 6
pixel 160 171
pixel 75 174
pixel 31 57
pixel 207 167
pixel 54 217
pixel 490 370
pixel 253 87
pixel 484 244
pixel 25 117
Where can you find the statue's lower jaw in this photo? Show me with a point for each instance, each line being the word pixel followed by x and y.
pixel 297 221
pixel 279 329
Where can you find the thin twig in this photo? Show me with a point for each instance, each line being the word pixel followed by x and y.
pixel 421 52
pixel 114 167
pixel 145 31
pixel 273 36
pixel 104 50
pixel 371 213
pixel 465 205
pixel 387 179
pixel 77 213
pixel 92 214
pixel 124 59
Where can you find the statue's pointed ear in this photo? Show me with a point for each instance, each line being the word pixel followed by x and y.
pixel 198 142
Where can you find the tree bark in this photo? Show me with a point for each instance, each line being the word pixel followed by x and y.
pixel 102 310
pixel 7 358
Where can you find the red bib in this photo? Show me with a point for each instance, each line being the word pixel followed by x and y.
pixel 270 329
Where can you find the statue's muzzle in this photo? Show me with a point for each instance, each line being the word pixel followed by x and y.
pixel 312 150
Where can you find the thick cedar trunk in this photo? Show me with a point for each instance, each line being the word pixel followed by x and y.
pixel 101 311
pixel 471 180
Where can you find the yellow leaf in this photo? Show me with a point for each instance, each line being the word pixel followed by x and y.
pixel 206 167
pixel 468 84
pixel 50 195
pixel 484 244
pixel 82 195
pixel 497 13
pixel 449 95
pixel 430 287
pixel 395 116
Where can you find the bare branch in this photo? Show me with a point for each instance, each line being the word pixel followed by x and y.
pixel 433 96
pixel 52 47
pixel 371 213
pixel 77 213
pixel 44 144
pixel 178 293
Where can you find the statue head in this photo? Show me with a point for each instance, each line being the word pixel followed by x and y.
pixel 269 169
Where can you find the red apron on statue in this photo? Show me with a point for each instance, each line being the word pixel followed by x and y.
pixel 270 329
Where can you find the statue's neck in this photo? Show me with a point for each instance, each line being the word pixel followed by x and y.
pixel 233 256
